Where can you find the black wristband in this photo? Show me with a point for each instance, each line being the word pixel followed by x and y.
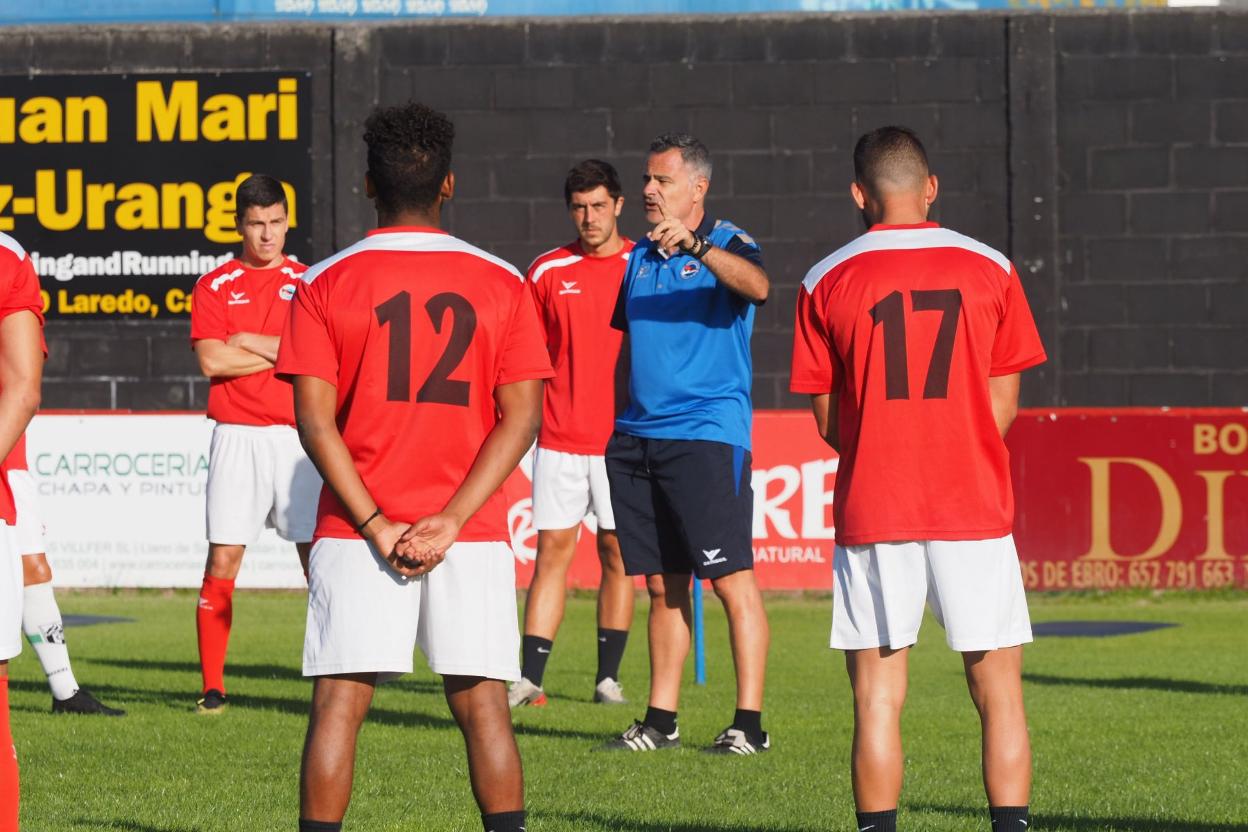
pixel 360 528
pixel 701 245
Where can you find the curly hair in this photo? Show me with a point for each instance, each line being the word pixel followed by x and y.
pixel 409 155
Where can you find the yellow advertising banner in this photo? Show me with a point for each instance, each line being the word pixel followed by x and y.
pixel 121 187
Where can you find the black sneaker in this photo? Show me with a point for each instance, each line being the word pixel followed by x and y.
pixel 82 702
pixel 735 741
pixel 641 737
pixel 212 704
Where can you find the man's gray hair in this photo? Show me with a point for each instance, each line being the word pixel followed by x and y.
pixel 692 152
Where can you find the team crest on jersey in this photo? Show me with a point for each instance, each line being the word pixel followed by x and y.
pixel 237 298
pixel 690 269
pixel 287 291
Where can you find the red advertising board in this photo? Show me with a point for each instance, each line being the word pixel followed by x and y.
pixel 1146 498
pixel 1105 499
pixel 793 476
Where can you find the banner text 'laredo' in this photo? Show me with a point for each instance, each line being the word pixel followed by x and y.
pixel 122 186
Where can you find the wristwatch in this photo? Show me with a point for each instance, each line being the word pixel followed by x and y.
pixel 701 245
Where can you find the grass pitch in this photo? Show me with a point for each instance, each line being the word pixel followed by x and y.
pixel 1146 733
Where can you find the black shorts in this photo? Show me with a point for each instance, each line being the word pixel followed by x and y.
pixel 681 505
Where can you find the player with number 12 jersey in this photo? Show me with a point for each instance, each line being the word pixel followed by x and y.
pixel 415 328
pixel 417 363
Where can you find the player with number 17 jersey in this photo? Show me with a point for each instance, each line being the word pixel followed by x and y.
pixel 908 322
pixel 415 329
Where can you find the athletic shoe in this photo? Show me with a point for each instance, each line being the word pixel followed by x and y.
pixel 82 702
pixel 525 692
pixel 734 741
pixel 610 692
pixel 641 737
pixel 212 704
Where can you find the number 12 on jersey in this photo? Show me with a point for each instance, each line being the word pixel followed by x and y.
pixel 891 314
pixel 439 387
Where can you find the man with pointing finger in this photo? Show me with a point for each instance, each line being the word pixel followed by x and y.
pixel 679 461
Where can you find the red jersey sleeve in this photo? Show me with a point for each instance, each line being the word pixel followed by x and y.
pixel 23 294
pixel 207 313
pixel 16 460
pixel 307 348
pixel 813 369
pixel 524 355
pixel 1017 345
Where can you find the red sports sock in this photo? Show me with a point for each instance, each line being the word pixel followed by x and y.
pixel 8 766
pixel 212 620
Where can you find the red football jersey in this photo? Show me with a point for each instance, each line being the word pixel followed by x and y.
pixel 910 322
pixel 19 292
pixel 16 460
pixel 236 298
pixel 575 295
pixel 416 329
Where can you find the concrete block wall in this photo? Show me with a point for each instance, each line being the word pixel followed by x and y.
pixel 1152 126
pixel 1106 153
pixel 779 104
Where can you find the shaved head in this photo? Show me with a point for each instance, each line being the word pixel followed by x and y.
pixel 890 160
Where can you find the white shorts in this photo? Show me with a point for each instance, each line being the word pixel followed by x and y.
pixel 567 487
pixel 30 529
pixel 258 478
pixel 974 587
pixel 363 617
pixel 10 594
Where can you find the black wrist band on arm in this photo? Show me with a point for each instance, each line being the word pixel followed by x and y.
pixel 360 528
pixel 701 245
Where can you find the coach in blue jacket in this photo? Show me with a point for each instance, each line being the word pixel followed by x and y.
pixel 679 461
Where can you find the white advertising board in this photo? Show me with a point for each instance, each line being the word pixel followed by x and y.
pixel 122 500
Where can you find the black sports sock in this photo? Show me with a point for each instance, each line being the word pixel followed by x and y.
pixel 610 652
pixel 877 821
pixel 1010 818
pixel 504 821
pixel 751 722
pixel 319 826
pixel 660 720
pixel 535 652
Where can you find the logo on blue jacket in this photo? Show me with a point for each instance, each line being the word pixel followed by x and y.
pixel 690 269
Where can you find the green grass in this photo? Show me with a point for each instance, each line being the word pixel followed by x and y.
pixel 1146 733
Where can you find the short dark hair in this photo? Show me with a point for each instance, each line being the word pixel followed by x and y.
pixel 409 155
pixel 692 151
pixel 590 175
pixel 892 155
pixel 260 190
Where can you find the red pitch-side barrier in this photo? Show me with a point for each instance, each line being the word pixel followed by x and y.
pixel 1105 499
